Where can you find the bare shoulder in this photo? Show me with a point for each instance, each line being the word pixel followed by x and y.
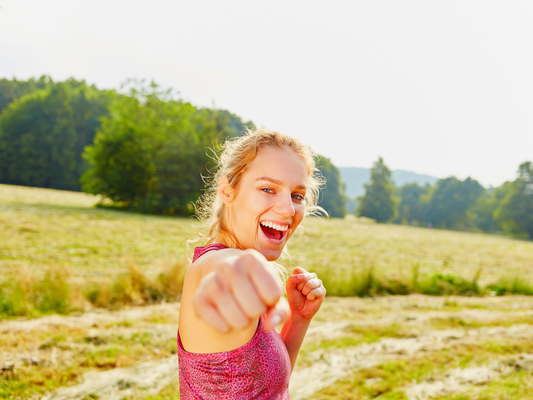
pixel 208 263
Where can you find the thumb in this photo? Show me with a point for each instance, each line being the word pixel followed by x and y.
pixel 277 314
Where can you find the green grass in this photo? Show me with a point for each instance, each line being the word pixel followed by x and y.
pixel 388 380
pixel 76 354
pixel 59 252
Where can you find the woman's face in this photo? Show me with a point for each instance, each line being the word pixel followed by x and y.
pixel 269 204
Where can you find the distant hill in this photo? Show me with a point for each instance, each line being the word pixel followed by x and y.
pixel 355 178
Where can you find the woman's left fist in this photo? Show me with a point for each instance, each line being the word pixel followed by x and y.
pixel 305 293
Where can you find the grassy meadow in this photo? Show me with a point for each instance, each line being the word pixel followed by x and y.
pixel 89 300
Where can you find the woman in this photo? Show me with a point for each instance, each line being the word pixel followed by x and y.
pixel 232 295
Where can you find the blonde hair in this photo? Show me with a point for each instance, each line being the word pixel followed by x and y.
pixel 234 161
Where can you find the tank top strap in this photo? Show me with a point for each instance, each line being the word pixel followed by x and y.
pixel 201 250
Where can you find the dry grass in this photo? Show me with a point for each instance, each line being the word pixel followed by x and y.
pixel 343 247
pixel 59 254
pixel 50 356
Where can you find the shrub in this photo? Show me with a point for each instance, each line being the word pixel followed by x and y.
pixel 31 294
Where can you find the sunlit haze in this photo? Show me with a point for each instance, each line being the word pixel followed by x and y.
pixel 440 88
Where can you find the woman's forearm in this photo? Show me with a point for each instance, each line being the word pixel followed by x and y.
pixel 293 334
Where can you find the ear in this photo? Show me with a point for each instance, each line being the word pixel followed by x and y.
pixel 224 190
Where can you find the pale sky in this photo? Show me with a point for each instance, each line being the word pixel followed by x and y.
pixel 436 87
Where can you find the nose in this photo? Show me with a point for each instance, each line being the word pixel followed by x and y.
pixel 285 207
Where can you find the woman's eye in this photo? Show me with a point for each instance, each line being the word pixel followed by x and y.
pixel 267 190
pixel 298 197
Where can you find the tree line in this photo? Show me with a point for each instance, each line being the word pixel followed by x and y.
pixel 140 148
pixel 452 203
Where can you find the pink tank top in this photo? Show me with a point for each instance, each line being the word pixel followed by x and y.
pixel 260 369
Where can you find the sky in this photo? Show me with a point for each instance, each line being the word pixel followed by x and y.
pixel 443 88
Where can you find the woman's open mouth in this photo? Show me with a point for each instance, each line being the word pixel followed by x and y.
pixel 273 231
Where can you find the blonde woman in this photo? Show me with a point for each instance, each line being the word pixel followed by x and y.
pixel 232 296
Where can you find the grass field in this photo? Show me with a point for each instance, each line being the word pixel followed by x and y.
pixel 388 347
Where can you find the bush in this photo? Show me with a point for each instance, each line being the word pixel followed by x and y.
pixel 513 286
pixel 30 294
pixel 364 281
pixel 134 287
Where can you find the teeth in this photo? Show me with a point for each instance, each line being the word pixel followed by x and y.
pixel 272 225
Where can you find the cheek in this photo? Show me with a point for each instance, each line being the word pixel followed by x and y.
pixel 299 213
pixel 248 210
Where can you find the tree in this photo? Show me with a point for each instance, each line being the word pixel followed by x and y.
pixel 378 202
pixel 412 209
pixel 515 212
pixel 483 211
pixel 450 202
pixel 43 133
pixel 332 197
pixel 38 141
pixel 14 89
pixel 150 153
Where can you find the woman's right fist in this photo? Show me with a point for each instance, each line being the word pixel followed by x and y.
pixel 242 289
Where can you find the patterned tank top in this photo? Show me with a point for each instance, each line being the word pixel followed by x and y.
pixel 260 369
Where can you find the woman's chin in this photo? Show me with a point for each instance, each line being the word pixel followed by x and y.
pixel 269 247
pixel 271 255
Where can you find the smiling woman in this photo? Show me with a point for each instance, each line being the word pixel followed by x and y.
pixel 232 296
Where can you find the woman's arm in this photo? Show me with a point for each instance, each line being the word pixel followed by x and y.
pixel 224 294
pixel 305 294
pixel 293 334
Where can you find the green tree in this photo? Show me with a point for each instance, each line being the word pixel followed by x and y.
pixel 332 196
pixel 38 141
pixel 450 202
pixel 149 155
pixel 15 89
pixel 378 202
pixel 487 204
pixel 412 209
pixel 515 212
pixel 89 105
pixel 35 149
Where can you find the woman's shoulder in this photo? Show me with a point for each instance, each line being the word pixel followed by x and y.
pixel 208 258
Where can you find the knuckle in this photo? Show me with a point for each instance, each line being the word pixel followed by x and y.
pixel 235 270
pixel 225 268
pixel 199 299
pixel 250 254
pixel 218 286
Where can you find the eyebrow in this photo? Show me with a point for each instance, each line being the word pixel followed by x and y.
pixel 266 178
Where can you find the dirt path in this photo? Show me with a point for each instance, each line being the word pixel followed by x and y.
pixel 90 319
pixel 147 378
pixel 460 380
pixel 330 366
